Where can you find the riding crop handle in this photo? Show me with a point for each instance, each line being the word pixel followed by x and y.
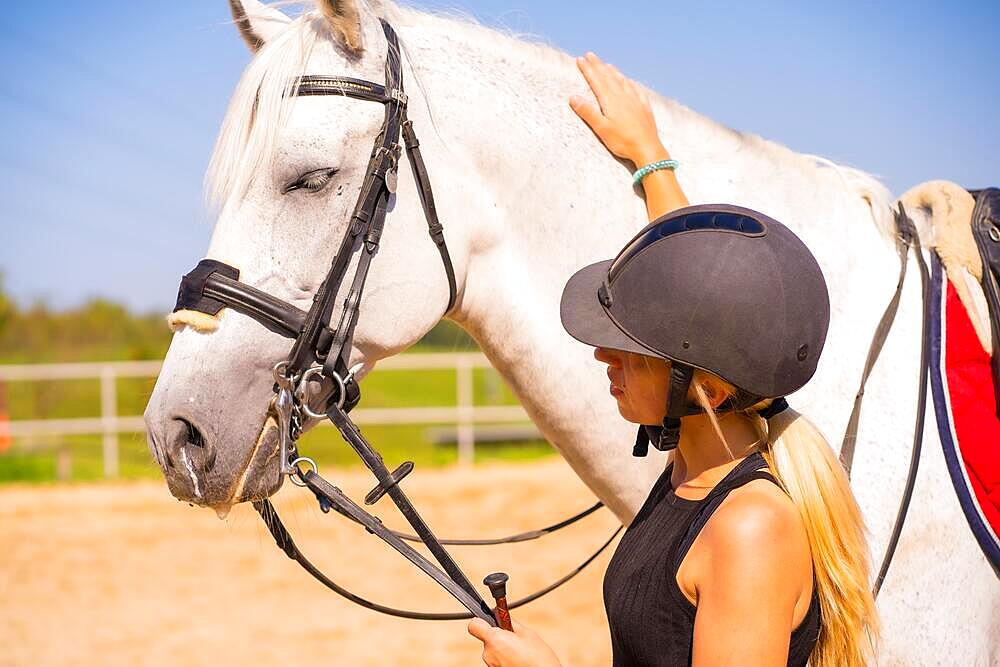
pixel 498 587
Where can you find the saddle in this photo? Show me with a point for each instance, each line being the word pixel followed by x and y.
pixel 962 230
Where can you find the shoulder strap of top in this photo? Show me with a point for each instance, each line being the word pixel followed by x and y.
pixel 656 492
pixel 748 470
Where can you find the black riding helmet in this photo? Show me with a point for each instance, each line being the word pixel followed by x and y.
pixel 717 287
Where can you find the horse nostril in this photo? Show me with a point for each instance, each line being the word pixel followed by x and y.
pixel 193 435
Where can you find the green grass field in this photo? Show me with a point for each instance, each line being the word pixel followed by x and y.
pixel 79 458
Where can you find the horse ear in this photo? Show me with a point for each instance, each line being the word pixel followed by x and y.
pixel 258 23
pixel 345 22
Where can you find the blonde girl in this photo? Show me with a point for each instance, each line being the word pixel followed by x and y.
pixel 750 548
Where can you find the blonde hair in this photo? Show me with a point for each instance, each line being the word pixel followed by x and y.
pixel 807 469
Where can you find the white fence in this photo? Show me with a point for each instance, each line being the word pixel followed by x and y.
pixel 464 414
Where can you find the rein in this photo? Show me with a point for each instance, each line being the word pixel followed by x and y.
pixel 320 353
pixel 906 238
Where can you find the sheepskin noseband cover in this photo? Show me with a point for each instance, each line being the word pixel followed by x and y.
pixel 191 295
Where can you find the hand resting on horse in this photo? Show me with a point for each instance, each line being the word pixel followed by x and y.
pixel 623 120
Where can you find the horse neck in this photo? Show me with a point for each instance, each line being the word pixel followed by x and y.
pixel 537 197
pixel 503 150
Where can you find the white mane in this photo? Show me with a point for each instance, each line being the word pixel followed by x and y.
pixel 259 109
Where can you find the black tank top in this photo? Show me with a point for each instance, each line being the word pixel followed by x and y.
pixel 652 623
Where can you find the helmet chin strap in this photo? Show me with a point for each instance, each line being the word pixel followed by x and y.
pixel 666 436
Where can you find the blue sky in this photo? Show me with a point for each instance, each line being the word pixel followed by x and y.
pixel 108 110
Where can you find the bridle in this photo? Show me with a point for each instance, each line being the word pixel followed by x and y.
pixel 320 353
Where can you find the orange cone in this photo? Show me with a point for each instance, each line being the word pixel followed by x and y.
pixel 4 421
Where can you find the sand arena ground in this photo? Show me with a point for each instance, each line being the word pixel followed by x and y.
pixel 122 574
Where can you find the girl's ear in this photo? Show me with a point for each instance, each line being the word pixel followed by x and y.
pixel 716 390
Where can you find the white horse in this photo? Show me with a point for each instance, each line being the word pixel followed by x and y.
pixel 527 195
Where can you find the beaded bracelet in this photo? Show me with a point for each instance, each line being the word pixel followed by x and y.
pixel 643 172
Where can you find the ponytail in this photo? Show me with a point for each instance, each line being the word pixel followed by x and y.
pixel 805 465
pixel 807 469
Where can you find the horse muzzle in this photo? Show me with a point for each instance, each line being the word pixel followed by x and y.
pixel 207 421
pixel 201 468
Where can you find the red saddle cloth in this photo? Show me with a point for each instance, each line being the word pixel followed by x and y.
pixel 965 405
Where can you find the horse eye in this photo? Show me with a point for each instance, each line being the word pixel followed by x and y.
pixel 313 181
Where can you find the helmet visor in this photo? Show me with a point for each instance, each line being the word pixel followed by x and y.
pixel 585 318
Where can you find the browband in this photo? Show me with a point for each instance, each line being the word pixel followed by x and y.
pixel 360 89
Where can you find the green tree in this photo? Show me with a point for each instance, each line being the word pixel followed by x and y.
pixel 8 309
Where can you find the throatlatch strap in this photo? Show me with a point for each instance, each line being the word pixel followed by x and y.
pixel 434 226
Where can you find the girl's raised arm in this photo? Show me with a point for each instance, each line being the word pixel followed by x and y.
pixel 623 120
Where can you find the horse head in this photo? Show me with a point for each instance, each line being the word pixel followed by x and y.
pixel 285 176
